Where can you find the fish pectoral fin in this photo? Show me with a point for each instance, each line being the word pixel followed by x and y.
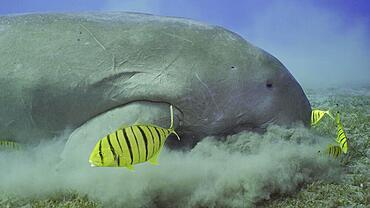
pixel 130 167
pixel 154 160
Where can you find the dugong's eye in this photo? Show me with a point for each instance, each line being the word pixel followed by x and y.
pixel 269 83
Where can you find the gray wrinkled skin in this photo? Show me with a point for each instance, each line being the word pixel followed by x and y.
pixel 73 71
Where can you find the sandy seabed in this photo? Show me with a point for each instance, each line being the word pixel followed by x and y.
pixel 281 168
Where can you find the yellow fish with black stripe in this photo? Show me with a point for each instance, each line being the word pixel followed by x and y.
pixel 317 115
pixel 333 150
pixel 131 145
pixel 9 145
pixel 341 136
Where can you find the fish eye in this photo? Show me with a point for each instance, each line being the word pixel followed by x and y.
pixel 269 84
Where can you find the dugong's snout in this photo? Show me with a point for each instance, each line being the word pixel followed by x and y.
pixel 293 105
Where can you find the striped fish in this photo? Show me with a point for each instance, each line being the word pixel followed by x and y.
pixel 341 136
pixel 131 145
pixel 333 150
pixel 9 145
pixel 317 115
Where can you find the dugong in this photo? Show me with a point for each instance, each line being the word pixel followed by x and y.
pixel 92 71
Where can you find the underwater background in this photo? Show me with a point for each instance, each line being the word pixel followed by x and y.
pixel 324 44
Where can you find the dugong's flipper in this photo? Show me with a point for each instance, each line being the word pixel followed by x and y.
pixel 83 139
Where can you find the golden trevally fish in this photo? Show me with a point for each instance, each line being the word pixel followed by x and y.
pixel 317 115
pixel 333 150
pixel 131 145
pixel 341 136
pixel 9 145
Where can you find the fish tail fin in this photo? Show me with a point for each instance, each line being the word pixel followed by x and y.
pixel 330 114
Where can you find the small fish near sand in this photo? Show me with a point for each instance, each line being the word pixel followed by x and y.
pixel 341 136
pixel 318 115
pixel 341 146
pixel 333 150
pixel 131 145
pixel 7 145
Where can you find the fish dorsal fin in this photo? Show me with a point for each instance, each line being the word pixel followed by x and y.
pixel 171 112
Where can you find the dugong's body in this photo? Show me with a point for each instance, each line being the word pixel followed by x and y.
pixel 80 71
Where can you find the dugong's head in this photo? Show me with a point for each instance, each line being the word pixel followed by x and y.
pixel 270 96
pixel 246 88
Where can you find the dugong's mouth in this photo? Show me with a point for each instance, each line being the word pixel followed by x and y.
pixel 253 127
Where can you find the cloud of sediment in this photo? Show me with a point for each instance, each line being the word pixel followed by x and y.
pixel 235 171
